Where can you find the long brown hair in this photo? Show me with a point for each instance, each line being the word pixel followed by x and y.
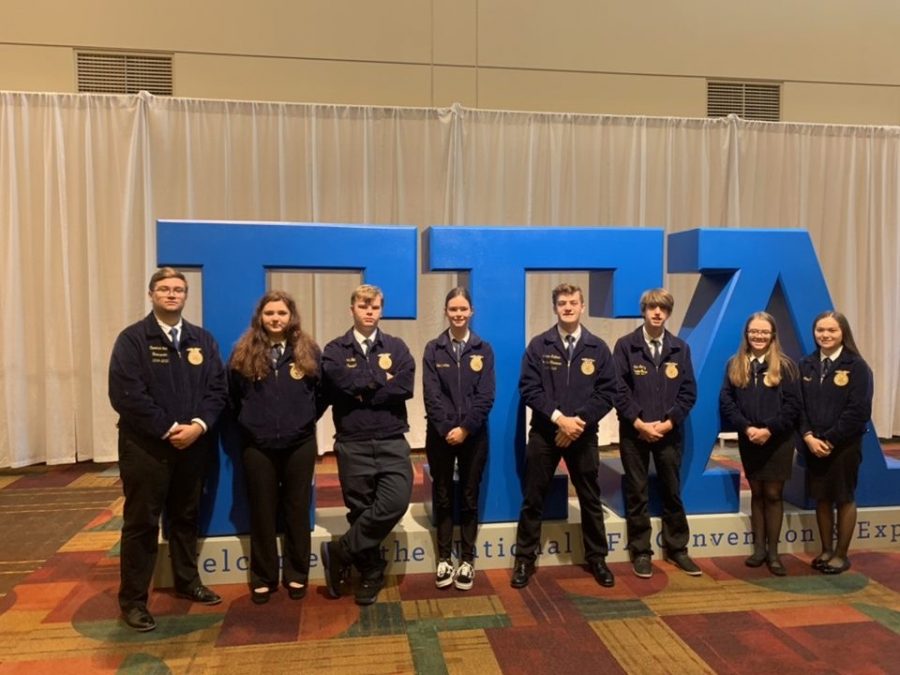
pixel 846 334
pixel 779 363
pixel 251 355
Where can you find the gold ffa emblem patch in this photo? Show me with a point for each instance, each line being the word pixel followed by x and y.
pixel 841 378
pixel 587 366
pixel 671 370
pixel 476 362
pixel 195 356
pixel 296 373
pixel 384 361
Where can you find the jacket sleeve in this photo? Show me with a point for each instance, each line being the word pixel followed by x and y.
pixel 235 391
pixel 354 382
pixel 626 405
pixel 400 386
pixel 215 396
pixel 729 408
pixel 483 397
pixel 603 393
pixel 436 408
pixel 858 410
pixel 687 391
pixel 531 386
pixel 129 393
pixel 803 425
pixel 789 410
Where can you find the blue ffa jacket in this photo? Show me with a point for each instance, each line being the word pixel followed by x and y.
pixel 152 386
pixel 458 394
pixel 585 387
pixel 838 409
pixel 365 404
pixel 648 392
pixel 761 405
pixel 281 409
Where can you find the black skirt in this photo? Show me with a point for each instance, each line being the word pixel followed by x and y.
pixel 834 478
pixel 772 461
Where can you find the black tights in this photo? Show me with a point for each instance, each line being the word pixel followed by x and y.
pixel 846 523
pixel 766 512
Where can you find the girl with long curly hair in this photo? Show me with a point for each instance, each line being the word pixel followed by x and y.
pixel 276 393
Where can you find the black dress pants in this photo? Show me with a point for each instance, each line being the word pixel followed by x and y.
pixel 542 457
pixel 155 475
pixel 470 457
pixel 280 479
pixel 666 454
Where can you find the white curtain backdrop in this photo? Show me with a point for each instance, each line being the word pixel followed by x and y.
pixel 83 179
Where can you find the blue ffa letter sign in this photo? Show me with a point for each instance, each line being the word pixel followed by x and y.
pixel 735 281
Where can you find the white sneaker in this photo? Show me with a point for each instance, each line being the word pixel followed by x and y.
pixel 444 575
pixel 465 576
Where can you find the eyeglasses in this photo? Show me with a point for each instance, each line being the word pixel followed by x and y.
pixel 759 333
pixel 166 290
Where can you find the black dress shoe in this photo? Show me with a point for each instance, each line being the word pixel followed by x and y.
pixel 756 560
pixel 521 574
pixel 261 595
pixel 820 561
pixel 296 592
pixel 828 568
pixel 368 590
pixel 139 619
pixel 776 567
pixel 683 561
pixel 602 574
pixel 201 594
pixel 333 565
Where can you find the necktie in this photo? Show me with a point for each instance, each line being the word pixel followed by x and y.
pixel 657 352
pixel 826 366
pixel 570 346
pixel 277 351
pixel 173 333
pixel 754 366
pixel 457 349
pixel 367 346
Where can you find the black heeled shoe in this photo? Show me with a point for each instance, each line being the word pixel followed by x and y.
pixel 756 560
pixel 821 560
pixel 776 567
pixel 296 592
pixel 261 595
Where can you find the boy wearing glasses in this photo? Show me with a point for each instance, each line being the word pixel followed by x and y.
pixel 656 390
pixel 168 385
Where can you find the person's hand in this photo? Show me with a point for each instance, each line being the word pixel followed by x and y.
pixel 647 431
pixel 184 435
pixel 561 440
pixel 758 435
pixel 817 446
pixel 571 427
pixel 456 436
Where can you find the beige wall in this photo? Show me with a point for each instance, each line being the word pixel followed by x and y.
pixel 838 60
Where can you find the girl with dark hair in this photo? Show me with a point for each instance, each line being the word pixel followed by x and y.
pixel 275 379
pixel 760 399
pixel 458 378
pixel 837 404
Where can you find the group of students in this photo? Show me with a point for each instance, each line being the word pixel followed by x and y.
pixel 169 387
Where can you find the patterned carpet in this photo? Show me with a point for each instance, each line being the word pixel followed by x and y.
pixel 58 613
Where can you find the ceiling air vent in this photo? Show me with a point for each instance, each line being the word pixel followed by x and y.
pixel 120 73
pixel 750 100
